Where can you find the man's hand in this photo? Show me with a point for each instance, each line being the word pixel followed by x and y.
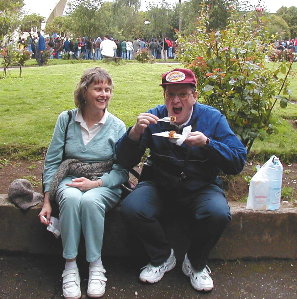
pixel 143 121
pixel 85 184
pixel 196 139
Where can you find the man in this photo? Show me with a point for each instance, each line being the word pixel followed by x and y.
pixel 108 47
pixel 182 175
pixel 40 49
pixel 66 48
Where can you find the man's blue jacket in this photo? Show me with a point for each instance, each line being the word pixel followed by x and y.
pixel 189 167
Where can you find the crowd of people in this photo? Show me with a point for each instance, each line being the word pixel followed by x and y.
pixel 98 48
pixel 290 44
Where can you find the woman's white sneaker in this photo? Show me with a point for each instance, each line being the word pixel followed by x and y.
pixel 97 282
pixel 153 274
pixel 71 284
pixel 200 280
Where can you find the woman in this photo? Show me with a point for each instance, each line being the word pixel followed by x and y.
pixel 81 175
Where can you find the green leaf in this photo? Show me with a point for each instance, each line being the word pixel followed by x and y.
pixel 208 88
pixel 283 103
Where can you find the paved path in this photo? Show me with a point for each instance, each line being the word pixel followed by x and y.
pixel 37 277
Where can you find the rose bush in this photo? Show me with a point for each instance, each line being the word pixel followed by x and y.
pixel 232 72
pixel 12 56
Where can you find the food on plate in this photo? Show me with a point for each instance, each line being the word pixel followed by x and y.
pixel 171 134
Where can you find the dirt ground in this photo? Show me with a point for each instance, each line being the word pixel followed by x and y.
pixel 236 189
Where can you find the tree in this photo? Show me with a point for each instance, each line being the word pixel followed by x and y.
pixel 85 18
pixel 290 16
pixel 91 4
pixel 162 19
pixel 11 5
pixel 127 21
pixel 277 27
pixel 218 11
pixel 31 21
pixel 232 75
pixel 63 25
pixel 9 16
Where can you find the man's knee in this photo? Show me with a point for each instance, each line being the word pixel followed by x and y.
pixel 218 215
pixel 128 208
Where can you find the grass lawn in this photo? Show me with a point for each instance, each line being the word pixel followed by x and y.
pixel 29 106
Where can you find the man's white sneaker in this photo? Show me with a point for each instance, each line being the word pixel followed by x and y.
pixel 200 280
pixel 153 274
pixel 97 282
pixel 71 284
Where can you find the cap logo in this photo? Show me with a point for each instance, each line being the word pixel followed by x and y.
pixel 175 76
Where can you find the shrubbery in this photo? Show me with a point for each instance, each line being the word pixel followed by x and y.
pixel 14 57
pixel 144 56
pixel 282 55
pixel 232 75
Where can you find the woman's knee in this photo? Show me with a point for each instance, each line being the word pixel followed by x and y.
pixel 91 202
pixel 70 198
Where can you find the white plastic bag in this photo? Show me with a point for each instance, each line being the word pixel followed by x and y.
pixel 265 186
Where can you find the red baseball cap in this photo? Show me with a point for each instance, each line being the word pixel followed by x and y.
pixel 179 76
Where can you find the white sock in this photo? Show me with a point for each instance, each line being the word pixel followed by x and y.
pixel 97 263
pixel 70 265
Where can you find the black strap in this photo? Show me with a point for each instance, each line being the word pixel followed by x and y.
pixel 66 130
pixel 69 112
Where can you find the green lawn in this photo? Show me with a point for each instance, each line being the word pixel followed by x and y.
pixel 29 106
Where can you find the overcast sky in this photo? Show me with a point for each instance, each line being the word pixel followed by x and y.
pixel 44 7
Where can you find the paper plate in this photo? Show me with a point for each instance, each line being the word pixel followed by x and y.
pixel 166 135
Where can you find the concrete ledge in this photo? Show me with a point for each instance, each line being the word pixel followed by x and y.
pixel 251 234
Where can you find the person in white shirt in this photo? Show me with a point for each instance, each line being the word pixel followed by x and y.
pixel 129 48
pixel 107 47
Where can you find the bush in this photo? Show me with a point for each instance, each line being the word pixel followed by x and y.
pixel 232 75
pixel 14 57
pixel 281 55
pixel 144 56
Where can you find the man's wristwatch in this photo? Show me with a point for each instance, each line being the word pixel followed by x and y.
pixel 207 141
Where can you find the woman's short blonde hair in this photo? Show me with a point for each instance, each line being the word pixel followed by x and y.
pixel 93 75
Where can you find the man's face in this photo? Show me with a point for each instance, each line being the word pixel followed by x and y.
pixel 179 100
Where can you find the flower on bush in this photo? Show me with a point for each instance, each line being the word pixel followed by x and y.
pixel 281 55
pixel 12 56
pixel 232 76
pixel 144 56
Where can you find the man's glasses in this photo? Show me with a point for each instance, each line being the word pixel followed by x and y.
pixel 181 96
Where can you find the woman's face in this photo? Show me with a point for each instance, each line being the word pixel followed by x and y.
pixel 98 95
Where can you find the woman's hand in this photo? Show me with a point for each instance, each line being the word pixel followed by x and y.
pixel 46 211
pixel 84 184
pixel 143 121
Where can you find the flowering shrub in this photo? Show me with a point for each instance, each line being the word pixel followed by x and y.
pixel 14 57
pixel 232 75
pixel 281 55
pixel 144 55
pixel 6 53
pixel 20 57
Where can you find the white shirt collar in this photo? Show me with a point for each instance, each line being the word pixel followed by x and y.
pixel 79 117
